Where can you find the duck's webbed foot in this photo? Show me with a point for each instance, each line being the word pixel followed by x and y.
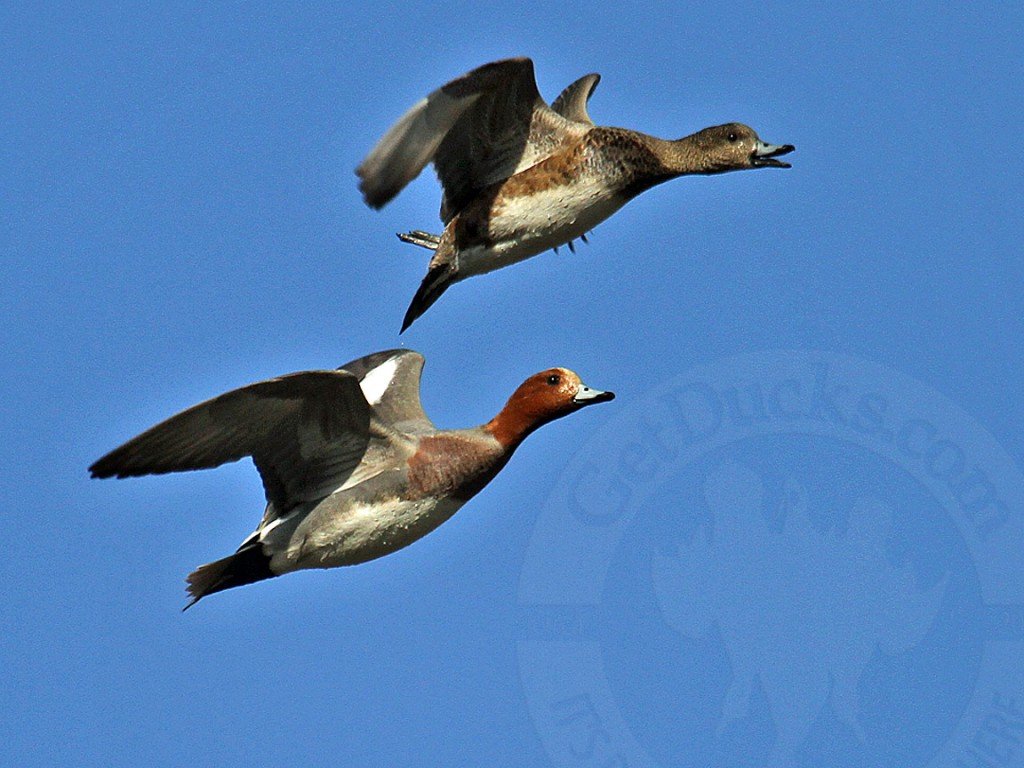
pixel 420 238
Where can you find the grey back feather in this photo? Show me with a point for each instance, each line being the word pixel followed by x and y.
pixel 572 102
pixel 306 432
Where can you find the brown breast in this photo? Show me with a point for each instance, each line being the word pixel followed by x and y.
pixel 454 465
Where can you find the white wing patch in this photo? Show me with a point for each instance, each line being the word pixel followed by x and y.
pixel 376 382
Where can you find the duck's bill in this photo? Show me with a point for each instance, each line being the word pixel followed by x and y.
pixel 764 155
pixel 587 396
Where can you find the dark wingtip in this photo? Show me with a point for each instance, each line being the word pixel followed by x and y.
pixel 375 199
pixel 98 470
pixel 115 464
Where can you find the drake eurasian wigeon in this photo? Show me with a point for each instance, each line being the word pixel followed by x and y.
pixel 352 468
pixel 520 177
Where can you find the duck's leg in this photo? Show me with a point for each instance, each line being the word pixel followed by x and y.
pixel 570 243
pixel 420 238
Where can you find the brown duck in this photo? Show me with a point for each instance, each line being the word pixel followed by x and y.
pixel 520 176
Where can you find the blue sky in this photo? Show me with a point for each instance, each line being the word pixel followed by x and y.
pixel 647 582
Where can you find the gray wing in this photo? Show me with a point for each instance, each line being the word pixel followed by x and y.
pixel 478 129
pixel 391 385
pixel 572 102
pixel 306 433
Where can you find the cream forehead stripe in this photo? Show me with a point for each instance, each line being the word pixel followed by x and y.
pixel 376 382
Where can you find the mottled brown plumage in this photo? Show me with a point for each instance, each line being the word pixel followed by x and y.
pixel 520 177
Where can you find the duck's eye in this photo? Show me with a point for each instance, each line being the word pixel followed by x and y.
pixel 554 379
pixel 733 137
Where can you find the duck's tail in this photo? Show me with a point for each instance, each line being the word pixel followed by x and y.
pixel 438 278
pixel 247 565
pixel 420 238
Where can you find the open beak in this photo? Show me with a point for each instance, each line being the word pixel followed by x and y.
pixel 587 396
pixel 764 155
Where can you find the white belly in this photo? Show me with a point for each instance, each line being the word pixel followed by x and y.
pixel 329 536
pixel 526 226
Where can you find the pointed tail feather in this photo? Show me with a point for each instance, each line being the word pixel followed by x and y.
pixel 434 284
pixel 247 565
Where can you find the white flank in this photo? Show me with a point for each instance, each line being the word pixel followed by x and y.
pixel 265 530
pixel 532 224
pixel 367 531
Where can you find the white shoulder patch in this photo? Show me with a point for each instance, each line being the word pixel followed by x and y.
pixel 376 382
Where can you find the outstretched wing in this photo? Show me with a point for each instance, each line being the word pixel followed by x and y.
pixel 478 129
pixel 391 385
pixel 306 433
pixel 572 102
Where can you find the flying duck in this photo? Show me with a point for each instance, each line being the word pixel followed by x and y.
pixel 351 466
pixel 520 176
